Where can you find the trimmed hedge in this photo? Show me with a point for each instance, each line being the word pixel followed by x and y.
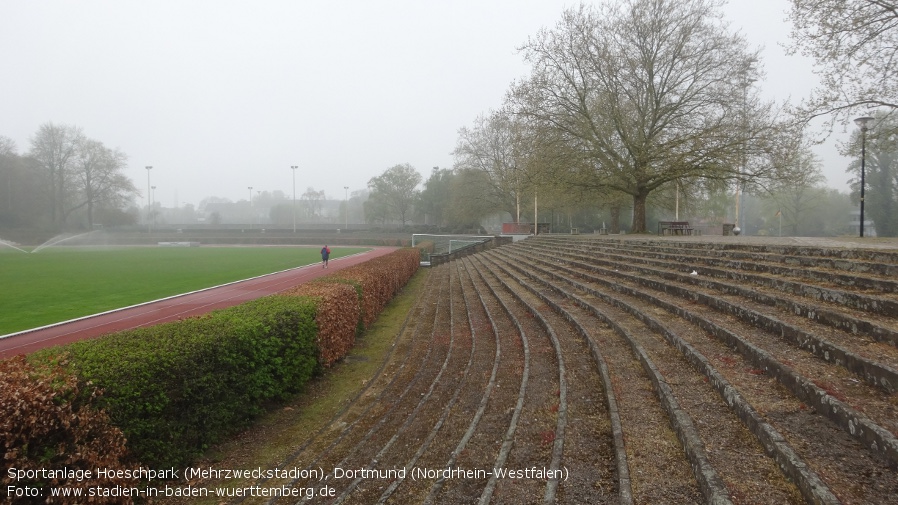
pixel 380 279
pixel 49 422
pixel 337 315
pixel 175 388
pixel 425 249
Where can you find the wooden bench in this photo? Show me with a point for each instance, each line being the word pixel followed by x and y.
pixel 674 228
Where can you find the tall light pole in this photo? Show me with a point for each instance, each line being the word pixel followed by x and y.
pixel 153 199
pixel 346 205
pixel 148 197
pixel 862 122
pixel 250 188
pixel 677 202
pixel 294 167
pixel 535 214
pixel 740 218
pixel 430 205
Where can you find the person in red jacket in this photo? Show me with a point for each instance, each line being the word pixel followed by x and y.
pixel 325 254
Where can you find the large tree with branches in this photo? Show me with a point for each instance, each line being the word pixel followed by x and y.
pixel 395 192
pixel 649 92
pixel 854 44
pixel 99 179
pixel 55 147
pixel 498 148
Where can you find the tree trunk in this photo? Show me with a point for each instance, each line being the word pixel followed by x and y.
pixel 639 200
pixel 615 219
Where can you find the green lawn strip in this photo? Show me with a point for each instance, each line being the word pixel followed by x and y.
pixel 58 284
pixel 280 432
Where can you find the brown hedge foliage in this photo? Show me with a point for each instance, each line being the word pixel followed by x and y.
pixel 176 388
pixel 381 278
pixel 426 246
pixel 49 423
pixel 49 419
pixel 337 317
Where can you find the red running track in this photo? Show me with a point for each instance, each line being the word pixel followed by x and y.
pixel 174 308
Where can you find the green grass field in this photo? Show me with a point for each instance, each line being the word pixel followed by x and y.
pixel 58 284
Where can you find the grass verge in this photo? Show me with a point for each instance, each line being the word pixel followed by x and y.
pixel 277 434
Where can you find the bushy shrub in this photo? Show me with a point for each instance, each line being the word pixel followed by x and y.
pixel 337 315
pixel 425 248
pixel 177 387
pixel 381 278
pixel 173 389
pixel 50 422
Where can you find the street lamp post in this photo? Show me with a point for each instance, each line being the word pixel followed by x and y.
pixel 346 205
pixel 148 198
pixel 294 167
pixel 677 202
pixel 740 184
pixel 863 123
pixel 430 206
pixel 250 188
pixel 153 199
pixel 535 214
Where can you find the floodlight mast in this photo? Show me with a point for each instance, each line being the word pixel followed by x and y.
pixel 148 198
pixel 152 200
pixel 294 167
pixel 346 205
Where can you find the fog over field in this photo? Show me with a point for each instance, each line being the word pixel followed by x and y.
pixel 221 96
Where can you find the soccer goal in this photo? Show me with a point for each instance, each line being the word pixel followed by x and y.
pixel 449 243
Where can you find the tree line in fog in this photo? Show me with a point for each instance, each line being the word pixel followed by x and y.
pixel 64 177
pixel 633 112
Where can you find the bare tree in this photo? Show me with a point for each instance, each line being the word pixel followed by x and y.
pixel 54 147
pixel 854 44
pixel 469 203
pixel 23 200
pixel 396 190
pixel 99 180
pixel 496 147
pixel 8 165
pixel 649 92
pixel 312 201
pixel 7 146
pixel 376 208
pixel 800 194
pixel 435 197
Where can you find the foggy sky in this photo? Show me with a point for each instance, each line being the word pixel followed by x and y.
pixel 221 95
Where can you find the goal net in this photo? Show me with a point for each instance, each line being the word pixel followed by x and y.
pixel 448 243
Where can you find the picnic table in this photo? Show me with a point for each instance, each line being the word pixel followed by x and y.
pixel 675 228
